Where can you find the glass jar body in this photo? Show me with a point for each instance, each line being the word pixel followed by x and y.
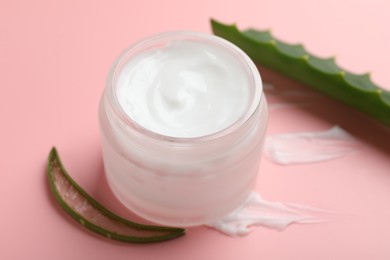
pixel 181 182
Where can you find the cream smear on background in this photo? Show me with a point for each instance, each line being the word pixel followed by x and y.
pixel 256 211
pixel 305 146
pixel 309 147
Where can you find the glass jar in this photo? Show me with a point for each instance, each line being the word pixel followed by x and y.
pixel 179 181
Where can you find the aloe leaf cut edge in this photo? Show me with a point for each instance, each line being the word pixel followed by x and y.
pixel 321 74
pixel 92 215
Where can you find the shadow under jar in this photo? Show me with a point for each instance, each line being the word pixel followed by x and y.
pixel 183 119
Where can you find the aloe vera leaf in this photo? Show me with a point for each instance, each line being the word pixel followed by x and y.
pixel 323 75
pixel 91 214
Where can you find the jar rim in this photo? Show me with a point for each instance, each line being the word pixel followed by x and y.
pixel 255 83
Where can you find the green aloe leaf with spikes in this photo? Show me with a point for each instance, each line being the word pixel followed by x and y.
pixel 323 75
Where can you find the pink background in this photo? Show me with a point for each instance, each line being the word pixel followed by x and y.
pixel 54 56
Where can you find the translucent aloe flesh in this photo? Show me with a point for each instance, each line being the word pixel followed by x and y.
pixel 91 214
pixel 323 75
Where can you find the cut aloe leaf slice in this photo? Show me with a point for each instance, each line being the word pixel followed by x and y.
pixel 323 75
pixel 92 215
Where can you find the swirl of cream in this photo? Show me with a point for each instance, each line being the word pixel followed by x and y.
pixel 185 89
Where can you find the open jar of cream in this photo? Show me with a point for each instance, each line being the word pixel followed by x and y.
pixel 183 119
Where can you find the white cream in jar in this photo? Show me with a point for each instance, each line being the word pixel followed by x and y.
pixel 183 120
pixel 185 89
